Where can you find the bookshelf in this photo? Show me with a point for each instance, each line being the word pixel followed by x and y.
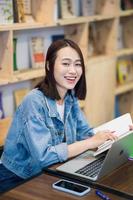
pixel 98 37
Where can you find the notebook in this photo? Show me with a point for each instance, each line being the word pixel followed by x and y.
pixel 94 168
pixel 121 127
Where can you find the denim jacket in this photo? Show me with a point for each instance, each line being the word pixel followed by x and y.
pixel 38 138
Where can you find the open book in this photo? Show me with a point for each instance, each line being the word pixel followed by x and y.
pixel 121 127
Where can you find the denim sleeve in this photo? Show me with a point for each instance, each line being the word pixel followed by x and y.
pixel 83 128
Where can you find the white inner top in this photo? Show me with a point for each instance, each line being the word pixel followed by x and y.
pixel 60 109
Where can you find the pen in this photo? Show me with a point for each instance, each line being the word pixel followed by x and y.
pixel 101 195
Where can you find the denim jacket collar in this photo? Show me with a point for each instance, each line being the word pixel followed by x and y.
pixel 51 104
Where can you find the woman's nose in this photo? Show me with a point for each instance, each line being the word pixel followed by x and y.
pixel 72 68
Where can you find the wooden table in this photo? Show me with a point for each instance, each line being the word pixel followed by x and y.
pixel 40 188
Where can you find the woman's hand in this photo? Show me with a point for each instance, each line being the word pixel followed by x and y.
pixel 101 136
pixel 131 127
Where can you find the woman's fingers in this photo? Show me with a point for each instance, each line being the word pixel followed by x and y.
pixel 130 127
pixel 111 135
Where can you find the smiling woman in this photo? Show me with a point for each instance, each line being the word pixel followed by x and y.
pixel 49 126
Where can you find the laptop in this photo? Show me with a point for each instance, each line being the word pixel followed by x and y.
pixel 94 168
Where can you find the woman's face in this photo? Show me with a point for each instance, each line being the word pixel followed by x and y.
pixel 67 70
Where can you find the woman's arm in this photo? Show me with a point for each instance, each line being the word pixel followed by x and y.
pixel 90 143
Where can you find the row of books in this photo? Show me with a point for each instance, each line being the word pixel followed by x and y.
pixel 71 8
pixel 36 49
pixel 15 11
pixel 37 54
pixel 74 8
pixel 18 97
pixel 21 10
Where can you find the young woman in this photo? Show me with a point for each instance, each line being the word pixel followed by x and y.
pixel 49 127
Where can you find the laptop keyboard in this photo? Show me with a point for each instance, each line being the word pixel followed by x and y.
pixel 92 169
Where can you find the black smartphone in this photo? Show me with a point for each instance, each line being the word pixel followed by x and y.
pixel 71 187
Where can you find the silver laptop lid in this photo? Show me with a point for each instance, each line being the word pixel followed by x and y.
pixel 117 155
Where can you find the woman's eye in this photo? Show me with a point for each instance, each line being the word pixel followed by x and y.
pixel 78 65
pixel 65 64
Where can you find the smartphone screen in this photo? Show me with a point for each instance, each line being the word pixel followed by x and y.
pixel 71 187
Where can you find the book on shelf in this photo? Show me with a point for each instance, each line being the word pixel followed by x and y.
pixel 57 37
pixel 87 7
pixel 92 39
pixel 130 69
pixel 1 107
pixel 120 43
pixel 19 94
pixel 124 70
pixel 18 11
pixel 28 11
pixel 6 12
pixel 27 7
pixel 14 54
pixel 119 125
pixel 67 9
pixel 37 51
pixel 15 11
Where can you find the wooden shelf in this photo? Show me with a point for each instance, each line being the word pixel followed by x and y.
pixel 23 76
pixel 68 21
pixel 118 53
pixel 126 13
pixel 123 52
pixel 23 26
pixel 124 88
pixel 78 20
